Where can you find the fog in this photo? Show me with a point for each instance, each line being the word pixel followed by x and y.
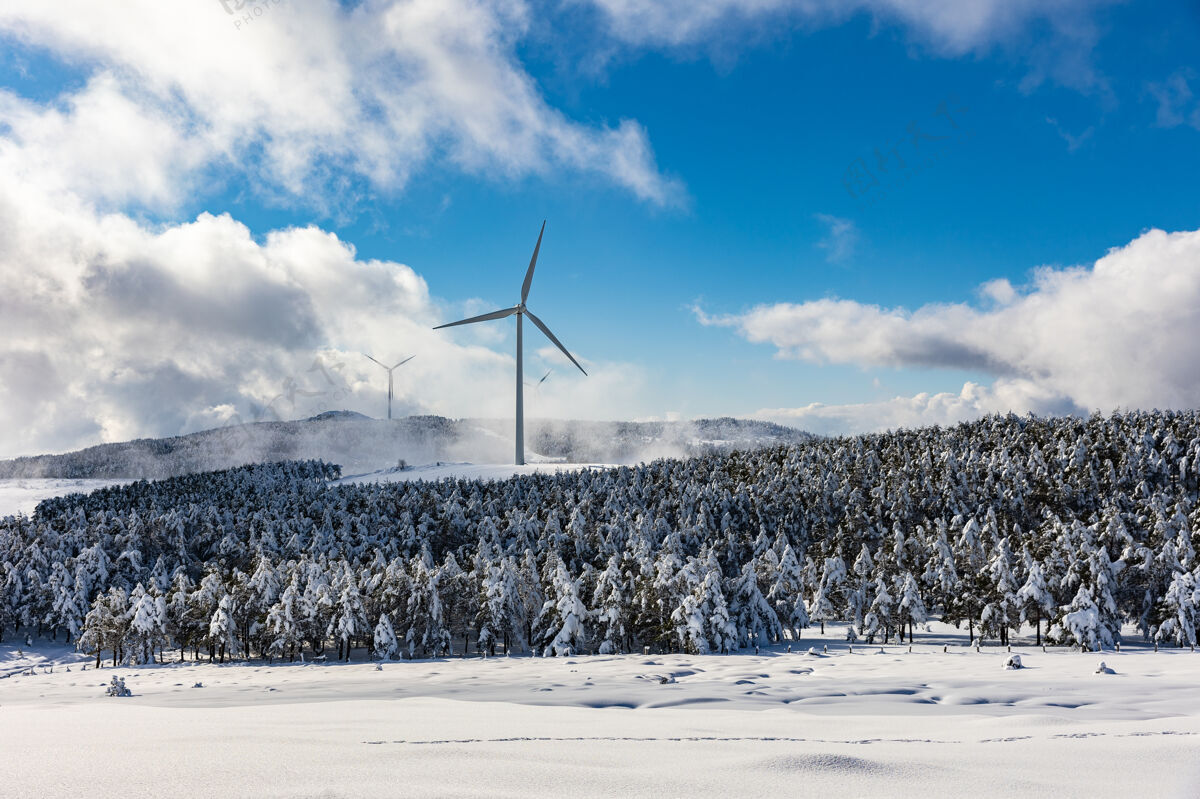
pixel 360 444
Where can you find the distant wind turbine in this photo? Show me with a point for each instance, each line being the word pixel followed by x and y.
pixel 538 385
pixel 521 311
pixel 390 369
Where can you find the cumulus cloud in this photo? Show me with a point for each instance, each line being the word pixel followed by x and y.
pixel 1123 332
pixel 948 27
pixel 111 328
pixel 118 319
pixel 300 98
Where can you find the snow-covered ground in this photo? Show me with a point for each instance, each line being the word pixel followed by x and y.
pixel 468 471
pixel 21 495
pixel 925 723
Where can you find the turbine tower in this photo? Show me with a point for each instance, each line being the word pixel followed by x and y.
pixel 390 369
pixel 521 311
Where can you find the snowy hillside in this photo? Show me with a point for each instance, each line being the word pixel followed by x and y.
pixel 22 495
pixel 361 444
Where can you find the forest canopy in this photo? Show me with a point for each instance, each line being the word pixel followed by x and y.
pixel 1074 525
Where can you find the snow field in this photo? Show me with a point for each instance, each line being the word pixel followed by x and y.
pixel 22 495
pixel 925 723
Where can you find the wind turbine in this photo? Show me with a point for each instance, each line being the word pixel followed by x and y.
pixel 390 369
pixel 521 311
pixel 537 387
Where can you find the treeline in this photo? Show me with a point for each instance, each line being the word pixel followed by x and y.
pixel 1073 525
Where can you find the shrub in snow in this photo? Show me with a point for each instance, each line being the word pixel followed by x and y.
pixel 1104 669
pixel 1013 662
pixel 117 687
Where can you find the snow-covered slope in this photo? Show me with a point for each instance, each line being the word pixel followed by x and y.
pixel 23 494
pixel 361 444
pixel 871 723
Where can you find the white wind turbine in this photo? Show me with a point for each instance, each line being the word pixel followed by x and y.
pixel 521 311
pixel 390 369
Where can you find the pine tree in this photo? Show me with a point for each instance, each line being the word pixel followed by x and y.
pixel 147 623
pixel 386 644
pixel 1181 609
pixel 879 616
pixel 1081 624
pixel 910 609
pixel 561 623
pixel 753 616
pixel 106 626
pixel 284 632
pixel 1034 599
pixel 222 629
pixel 611 600
pixel 786 593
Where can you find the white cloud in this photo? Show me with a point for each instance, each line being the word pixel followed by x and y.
pixel 309 91
pixel 948 27
pixel 112 329
pixel 999 291
pixel 841 236
pixel 1177 104
pixel 1122 333
pixel 943 408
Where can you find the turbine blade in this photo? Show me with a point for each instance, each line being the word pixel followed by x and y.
pixel 532 264
pixel 542 327
pixel 406 360
pixel 482 318
pixel 543 380
pixel 368 356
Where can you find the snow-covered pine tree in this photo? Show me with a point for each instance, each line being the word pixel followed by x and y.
pixel 786 593
pixel 560 625
pixel 611 602
pixel 284 632
pixel 1181 610
pixel 147 623
pixel 1034 599
pixel 910 608
pixel 221 629
pixel 387 647
pixel 752 615
pixel 1080 623
pixel 879 616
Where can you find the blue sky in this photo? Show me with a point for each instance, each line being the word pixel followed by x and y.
pixel 1077 132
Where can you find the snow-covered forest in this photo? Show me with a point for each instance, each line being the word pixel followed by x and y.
pixel 1074 526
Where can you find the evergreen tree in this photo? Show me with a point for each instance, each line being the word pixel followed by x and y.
pixel 387 647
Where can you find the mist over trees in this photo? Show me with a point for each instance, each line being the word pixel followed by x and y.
pixel 361 444
pixel 1073 525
